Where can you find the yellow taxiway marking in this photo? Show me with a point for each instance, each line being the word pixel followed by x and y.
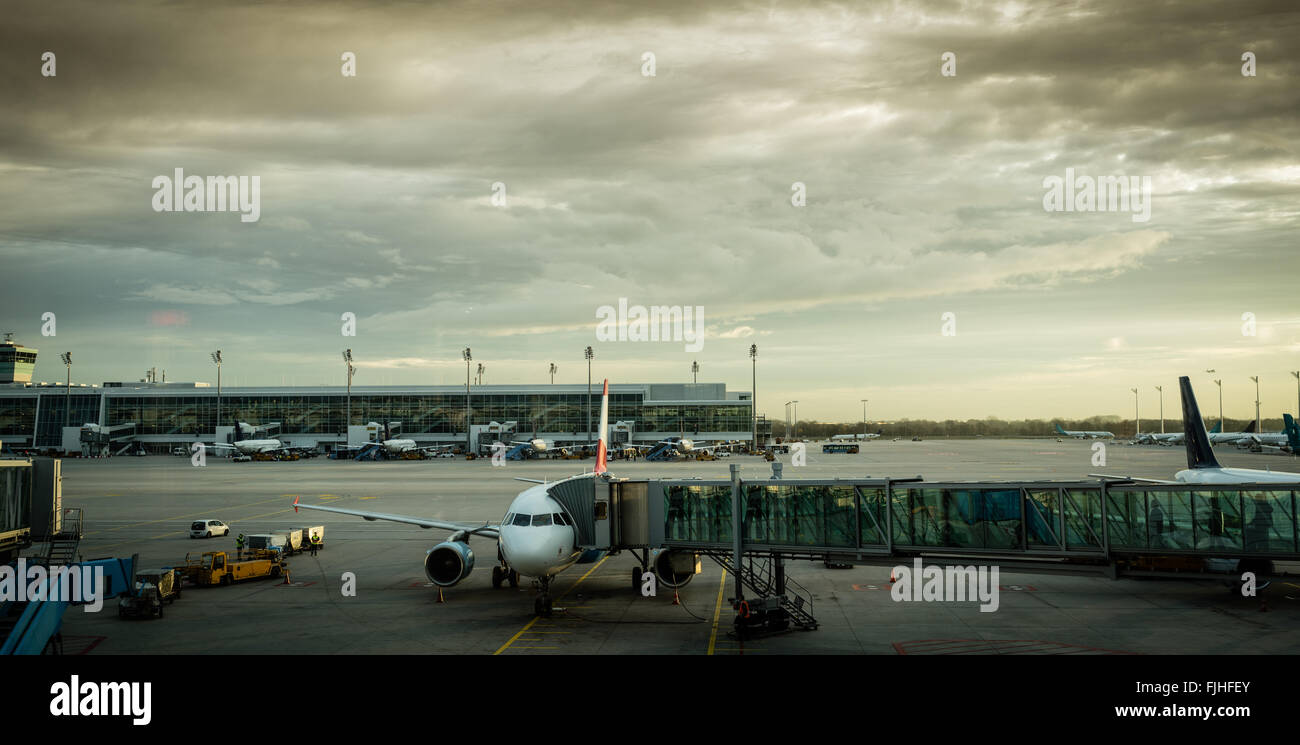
pixel 178 517
pixel 717 610
pixel 506 646
pixel 529 625
pixel 368 497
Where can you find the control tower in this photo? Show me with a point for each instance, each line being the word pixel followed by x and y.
pixel 16 361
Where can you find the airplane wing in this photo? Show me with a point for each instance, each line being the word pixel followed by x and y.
pixel 486 530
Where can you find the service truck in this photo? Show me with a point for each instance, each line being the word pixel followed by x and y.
pixel 217 568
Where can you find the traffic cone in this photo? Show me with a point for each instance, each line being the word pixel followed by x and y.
pixel 676 600
pixel 891 576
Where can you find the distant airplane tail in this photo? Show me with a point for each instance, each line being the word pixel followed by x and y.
pixel 238 432
pixel 1197 441
pixel 1292 432
pixel 1060 431
pixel 1250 428
pixel 1218 427
pixel 601 447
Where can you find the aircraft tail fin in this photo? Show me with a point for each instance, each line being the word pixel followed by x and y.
pixel 238 430
pixel 1218 427
pixel 1292 432
pixel 1060 431
pixel 1199 452
pixel 1250 428
pixel 601 446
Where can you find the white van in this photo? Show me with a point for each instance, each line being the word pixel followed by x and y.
pixel 208 528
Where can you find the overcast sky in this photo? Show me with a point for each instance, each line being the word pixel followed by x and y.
pixel 924 195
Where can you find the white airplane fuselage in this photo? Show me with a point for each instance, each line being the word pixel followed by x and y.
pixel 398 446
pixel 538 550
pixel 248 447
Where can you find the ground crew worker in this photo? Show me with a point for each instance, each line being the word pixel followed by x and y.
pixel 315 543
pixel 239 546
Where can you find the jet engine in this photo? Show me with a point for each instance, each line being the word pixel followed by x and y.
pixel 676 568
pixel 448 563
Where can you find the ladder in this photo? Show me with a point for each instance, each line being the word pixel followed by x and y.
pixel 62 548
pixel 762 579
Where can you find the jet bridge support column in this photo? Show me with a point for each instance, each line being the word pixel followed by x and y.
pixel 737 530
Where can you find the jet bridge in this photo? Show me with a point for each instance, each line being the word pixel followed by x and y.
pixel 751 527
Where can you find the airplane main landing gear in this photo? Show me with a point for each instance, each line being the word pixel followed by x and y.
pixel 542 603
pixel 503 574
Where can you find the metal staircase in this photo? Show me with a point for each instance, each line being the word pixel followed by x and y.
pixel 765 577
pixel 62 548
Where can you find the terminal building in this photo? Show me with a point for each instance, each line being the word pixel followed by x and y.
pixel 162 416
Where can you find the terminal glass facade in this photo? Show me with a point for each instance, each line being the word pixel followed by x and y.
pixel 190 413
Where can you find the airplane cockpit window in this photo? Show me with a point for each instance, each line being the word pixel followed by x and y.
pixel 521 519
pixel 562 519
pixel 541 520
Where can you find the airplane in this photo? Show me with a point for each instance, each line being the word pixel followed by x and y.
pixel 250 446
pixel 536 538
pixel 1171 438
pixel 1202 466
pixel 397 446
pixel 1082 435
pixel 1218 438
pixel 867 436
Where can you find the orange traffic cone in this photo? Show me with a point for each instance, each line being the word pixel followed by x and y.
pixel 891 576
pixel 676 600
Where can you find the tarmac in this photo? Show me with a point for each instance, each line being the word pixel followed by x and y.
pixel 145 505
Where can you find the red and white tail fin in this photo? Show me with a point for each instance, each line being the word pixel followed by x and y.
pixel 602 453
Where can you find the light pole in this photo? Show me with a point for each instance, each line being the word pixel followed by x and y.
pixel 753 392
pixel 67 390
pixel 1219 383
pixel 1161 388
pixel 795 405
pixel 588 354
pixel 864 420
pixel 468 358
pixel 787 420
pixel 553 368
pixel 1138 417
pixel 1257 422
pixel 347 360
pixel 216 358
pixel 695 372
pixel 481 369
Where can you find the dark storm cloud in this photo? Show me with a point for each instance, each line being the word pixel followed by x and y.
pixel 923 191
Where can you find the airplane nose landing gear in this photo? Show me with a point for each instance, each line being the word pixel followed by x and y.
pixel 542 603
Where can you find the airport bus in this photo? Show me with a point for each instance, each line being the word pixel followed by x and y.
pixel 841 447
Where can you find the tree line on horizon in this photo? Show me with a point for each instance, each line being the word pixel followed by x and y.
pixel 993 427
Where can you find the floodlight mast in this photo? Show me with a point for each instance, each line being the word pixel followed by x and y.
pixel 216 359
